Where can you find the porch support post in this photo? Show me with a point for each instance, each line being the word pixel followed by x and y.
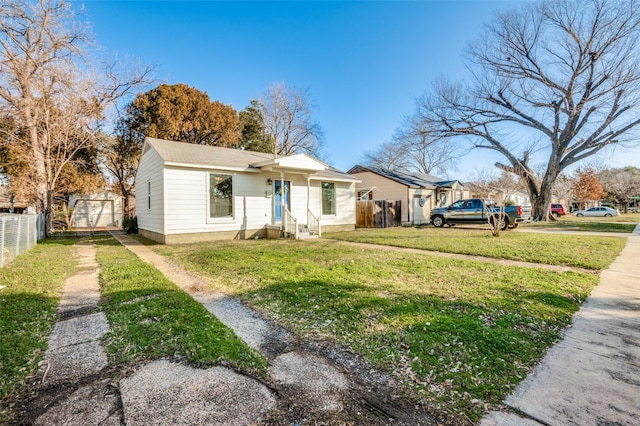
pixel 283 214
pixel 282 189
pixel 308 196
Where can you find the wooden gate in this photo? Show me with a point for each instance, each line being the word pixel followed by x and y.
pixel 378 213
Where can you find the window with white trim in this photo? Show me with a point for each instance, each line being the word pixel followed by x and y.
pixel 220 196
pixel 328 198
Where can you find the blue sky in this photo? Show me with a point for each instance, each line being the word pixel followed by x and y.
pixel 364 62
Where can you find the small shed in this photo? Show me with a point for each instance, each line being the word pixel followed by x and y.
pixel 100 210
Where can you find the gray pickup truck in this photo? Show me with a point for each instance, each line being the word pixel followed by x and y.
pixel 477 211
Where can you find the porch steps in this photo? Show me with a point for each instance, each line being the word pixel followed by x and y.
pixel 306 235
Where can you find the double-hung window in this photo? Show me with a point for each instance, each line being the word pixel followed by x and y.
pixel 220 196
pixel 328 198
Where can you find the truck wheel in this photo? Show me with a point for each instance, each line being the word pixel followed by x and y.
pixel 438 221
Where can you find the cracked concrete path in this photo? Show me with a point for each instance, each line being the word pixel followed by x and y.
pixel 80 388
pixel 74 349
pixel 592 376
pixel 74 352
pixel 305 373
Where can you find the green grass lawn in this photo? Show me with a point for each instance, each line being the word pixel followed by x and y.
pixel 28 308
pixel 571 250
pixel 595 224
pixel 151 318
pixel 461 333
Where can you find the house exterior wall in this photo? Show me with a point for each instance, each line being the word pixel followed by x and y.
pixel 150 170
pixel 186 209
pixel 451 195
pixel 386 189
pixel 187 199
pixel 420 215
pixel 345 217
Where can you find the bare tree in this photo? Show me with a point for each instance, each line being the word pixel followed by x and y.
pixel 559 79
pixel 427 151
pixel 622 184
pixel 120 155
pixel 49 87
pixel 390 156
pixel 562 188
pixel 481 184
pixel 287 120
pixel 415 148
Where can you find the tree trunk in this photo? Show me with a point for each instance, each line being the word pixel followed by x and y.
pixel 540 196
pixel 541 206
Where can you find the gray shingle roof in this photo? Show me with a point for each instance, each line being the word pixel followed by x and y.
pixel 204 155
pixel 416 180
pixel 227 158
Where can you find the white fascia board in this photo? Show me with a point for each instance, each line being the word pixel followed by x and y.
pixel 332 179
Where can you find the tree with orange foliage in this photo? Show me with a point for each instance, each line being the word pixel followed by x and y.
pixel 587 187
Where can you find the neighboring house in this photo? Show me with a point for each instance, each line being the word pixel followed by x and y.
pixel 519 198
pixel 186 192
pixel 9 203
pixel 100 210
pixel 418 193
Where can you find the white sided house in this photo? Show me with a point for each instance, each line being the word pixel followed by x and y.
pixel 187 192
pixel 418 193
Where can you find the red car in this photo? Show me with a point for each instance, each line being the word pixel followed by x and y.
pixel 558 210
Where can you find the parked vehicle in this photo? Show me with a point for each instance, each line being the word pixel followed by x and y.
pixel 558 210
pixel 598 211
pixel 477 211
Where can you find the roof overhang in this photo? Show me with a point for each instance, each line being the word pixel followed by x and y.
pixel 334 178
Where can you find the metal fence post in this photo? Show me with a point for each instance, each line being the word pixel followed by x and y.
pixel 2 243
pixel 18 238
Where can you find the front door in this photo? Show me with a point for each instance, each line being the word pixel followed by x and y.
pixel 277 199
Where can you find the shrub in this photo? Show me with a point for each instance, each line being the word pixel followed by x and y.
pixel 130 224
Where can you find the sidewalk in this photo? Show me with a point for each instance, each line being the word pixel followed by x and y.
pixel 592 376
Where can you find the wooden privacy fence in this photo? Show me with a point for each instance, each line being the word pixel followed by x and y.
pixel 378 213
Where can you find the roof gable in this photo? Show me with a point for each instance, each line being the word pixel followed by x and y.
pixel 301 162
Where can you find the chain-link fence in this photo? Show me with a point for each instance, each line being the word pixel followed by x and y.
pixel 18 233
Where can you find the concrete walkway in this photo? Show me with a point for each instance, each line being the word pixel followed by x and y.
pixel 74 357
pixel 592 376
pixel 79 387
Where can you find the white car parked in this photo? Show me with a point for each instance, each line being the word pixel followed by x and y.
pixel 598 211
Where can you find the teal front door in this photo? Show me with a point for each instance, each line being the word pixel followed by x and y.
pixel 277 199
